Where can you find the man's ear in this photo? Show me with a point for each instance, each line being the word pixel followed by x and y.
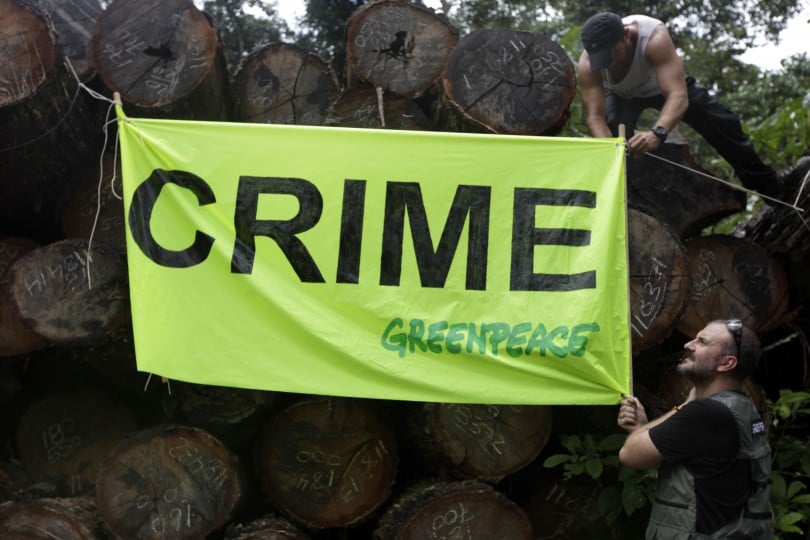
pixel 727 363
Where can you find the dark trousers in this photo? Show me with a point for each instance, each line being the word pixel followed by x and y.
pixel 714 121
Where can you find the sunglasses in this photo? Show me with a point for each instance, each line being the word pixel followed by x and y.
pixel 735 326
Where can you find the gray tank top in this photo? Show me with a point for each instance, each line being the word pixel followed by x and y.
pixel 640 80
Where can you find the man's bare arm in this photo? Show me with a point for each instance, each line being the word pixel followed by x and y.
pixel 593 98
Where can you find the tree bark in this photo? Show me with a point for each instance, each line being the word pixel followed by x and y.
pixel 359 107
pixel 284 84
pixel 168 482
pixel 470 510
pixel 733 278
pixel 397 46
pixel 510 81
pixel 327 462
pixel 659 279
pixel 68 294
pixel 164 59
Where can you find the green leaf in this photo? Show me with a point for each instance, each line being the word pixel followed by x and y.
pixel 555 460
pixel 594 468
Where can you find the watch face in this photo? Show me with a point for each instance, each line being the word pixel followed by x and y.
pixel 660 132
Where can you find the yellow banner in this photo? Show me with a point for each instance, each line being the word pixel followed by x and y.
pixel 382 264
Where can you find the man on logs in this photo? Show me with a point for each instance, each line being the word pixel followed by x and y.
pixel 631 64
pixel 712 450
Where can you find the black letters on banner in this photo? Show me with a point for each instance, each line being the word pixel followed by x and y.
pixel 434 266
pixel 283 232
pixel 140 215
pixel 525 236
pixel 351 231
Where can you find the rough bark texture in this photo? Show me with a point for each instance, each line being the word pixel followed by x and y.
pixel 284 84
pixel 397 46
pixel 510 81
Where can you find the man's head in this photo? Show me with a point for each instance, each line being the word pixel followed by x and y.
pixel 600 34
pixel 722 348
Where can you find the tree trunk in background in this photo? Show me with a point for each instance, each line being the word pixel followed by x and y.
pixel 69 295
pixel 327 462
pixel 733 278
pixel 682 199
pixel 73 22
pixel 163 57
pixel 397 46
pixel 659 279
pixel 470 510
pixel 510 81
pixel 168 482
pixel 358 107
pixel 284 84
pixel 46 125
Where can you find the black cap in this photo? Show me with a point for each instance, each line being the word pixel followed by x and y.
pixel 600 33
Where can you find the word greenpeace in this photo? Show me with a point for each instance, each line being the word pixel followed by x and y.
pixel 486 338
pixel 470 204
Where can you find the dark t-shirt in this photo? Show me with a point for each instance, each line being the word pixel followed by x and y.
pixel 703 437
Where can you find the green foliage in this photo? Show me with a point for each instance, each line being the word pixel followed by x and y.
pixel 598 460
pixel 790 496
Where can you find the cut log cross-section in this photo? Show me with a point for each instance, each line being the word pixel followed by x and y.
pixel 358 107
pixel 510 81
pixel 486 442
pixel 68 294
pixel 284 84
pixel 731 277
pixel 163 57
pixel 470 510
pixel 168 482
pixel 73 22
pixel 659 279
pixel 327 462
pixel 397 46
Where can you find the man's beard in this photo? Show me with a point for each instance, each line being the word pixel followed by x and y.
pixel 697 374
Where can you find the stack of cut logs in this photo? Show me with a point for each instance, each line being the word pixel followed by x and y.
pixel 94 449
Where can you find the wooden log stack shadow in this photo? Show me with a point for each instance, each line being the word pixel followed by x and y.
pixel 163 459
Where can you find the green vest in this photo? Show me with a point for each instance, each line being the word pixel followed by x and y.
pixel 674 511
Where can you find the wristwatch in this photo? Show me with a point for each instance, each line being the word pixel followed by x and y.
pixel 660 132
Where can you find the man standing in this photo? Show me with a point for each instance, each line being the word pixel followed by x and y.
pixel 631 64
pixel 712 451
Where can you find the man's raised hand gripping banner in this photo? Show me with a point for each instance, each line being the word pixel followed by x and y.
pixel 381 264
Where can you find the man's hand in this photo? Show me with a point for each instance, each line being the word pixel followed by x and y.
pixel 631 414
pixel 643 141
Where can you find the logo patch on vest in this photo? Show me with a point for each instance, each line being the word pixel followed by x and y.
pixel 757 428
